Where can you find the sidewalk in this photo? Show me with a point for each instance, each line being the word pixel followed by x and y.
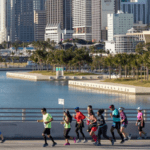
pixel 37 145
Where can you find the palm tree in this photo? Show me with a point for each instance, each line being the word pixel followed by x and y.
pixel 109 62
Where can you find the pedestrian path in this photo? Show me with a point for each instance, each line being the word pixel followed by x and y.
pixel 37 145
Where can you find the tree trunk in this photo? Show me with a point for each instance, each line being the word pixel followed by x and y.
pixel 144 73
pixel 120 72
pixel 141 75
pixel 125 72
pixel 109 72
pixel 137 73
pixel 147 73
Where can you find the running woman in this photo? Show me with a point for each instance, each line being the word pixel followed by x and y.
pixel 124 123
pixel 102 128
pixel 47 119
pixel 2 138
pixel 140 123
pixel 93 123
pixel 67 127
pixel 79 124
pixel 116 123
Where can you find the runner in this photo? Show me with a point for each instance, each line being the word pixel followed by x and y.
pixel 67 127
pixel 79 124
pixel 124 123
pixel 140 123
pixel 47 119
pixel 89 109
pixel 93 123
pixel 102 128
pixel 2 138
pixel 116 123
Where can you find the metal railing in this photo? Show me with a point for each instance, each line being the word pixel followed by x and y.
pixel 33 114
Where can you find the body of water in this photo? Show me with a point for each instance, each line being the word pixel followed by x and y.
pixel 16 93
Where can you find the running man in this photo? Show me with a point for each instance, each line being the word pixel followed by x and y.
pixel 79 124
pixel 116 123
pixel 47 119
pixel 140 123
pixel 67 127
pixel 124 123
pixel 102 128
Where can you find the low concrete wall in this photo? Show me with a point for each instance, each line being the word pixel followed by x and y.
pixel 39 77
pixel 129 89
pixel 33 130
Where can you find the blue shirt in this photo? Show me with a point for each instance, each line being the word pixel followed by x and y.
pixel 116 116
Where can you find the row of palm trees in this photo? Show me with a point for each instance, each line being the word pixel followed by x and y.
pixel 126 64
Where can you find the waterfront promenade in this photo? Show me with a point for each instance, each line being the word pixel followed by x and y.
pixel 37 145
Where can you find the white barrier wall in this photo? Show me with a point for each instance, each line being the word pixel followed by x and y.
pixel 111 87
pixel 33 130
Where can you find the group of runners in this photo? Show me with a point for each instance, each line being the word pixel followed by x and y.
pixel 94 123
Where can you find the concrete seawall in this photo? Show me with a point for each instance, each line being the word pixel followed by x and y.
pixel 39 77
pixel 33 130
pixel 122 88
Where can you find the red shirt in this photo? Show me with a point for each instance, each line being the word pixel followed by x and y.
pixel 79 116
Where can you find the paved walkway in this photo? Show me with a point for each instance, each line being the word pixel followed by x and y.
pixel 37 145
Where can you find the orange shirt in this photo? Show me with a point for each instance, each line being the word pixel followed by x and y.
pixel 79 116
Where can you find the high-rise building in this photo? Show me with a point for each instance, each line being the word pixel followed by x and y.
pixel 117 5
pixel 7 22
pixel 82 19
pixel 118 23
pixel 24 18
pixel 58 20
pixel 100 9
pixel 39 25
pixel 59 11
pixel 139 8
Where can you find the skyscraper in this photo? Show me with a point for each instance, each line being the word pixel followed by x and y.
pixel 139 9
pixel 117 5
pixel 24 18
pixel 100 9
pixel 39 25
pixel 59 11
pixel 82 19
pixel 7 22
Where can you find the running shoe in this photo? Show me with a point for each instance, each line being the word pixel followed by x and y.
pixel 45 145
pixel 98 144
pixel 66 144
pixel 85 141
pixel 112 141
pixel 54 144
pixel 95 143
pixel 74 140
pixel 145 136
pixel 3 141
pixel 139 138
pixel 129 137
pixel 78 141
pixel 126 139
pixel 122 141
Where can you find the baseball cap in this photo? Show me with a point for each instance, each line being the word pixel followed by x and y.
pixel 77 108
pixel 120 108
pixel 139 108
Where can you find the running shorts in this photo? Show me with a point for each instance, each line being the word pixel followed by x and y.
pixel 116 125
pixel 94 129
pixel 139 125
pixel 47 131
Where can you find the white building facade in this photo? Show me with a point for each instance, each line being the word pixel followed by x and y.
pixel 82 20
pixel 54 33
pixel 118 23
pixel 139 9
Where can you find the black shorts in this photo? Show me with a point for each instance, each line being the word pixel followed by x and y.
pixel 117 125
pixel 47 131
pixel 140 128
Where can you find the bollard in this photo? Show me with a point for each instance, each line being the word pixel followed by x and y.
pixel 23 115
pixel 105 114
pixel 144 115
